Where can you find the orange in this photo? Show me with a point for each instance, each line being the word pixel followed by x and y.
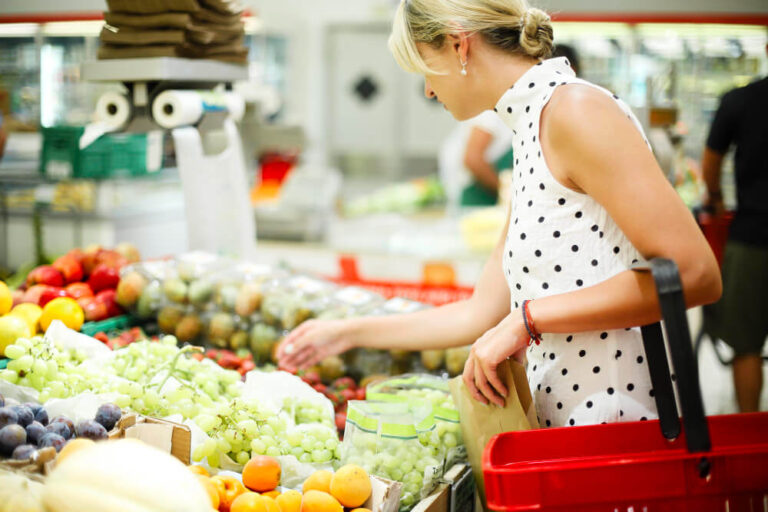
pixel 261 473
pixel 248 502
pixel 31 313
pixel 6 299
pixel 229 489
pixel 318 481
pixel 200 470
pixel 318 501
pixel 289 501
pixel 65 309
pixel 271 494
pixel 211 489
pixel 360 510
pixel 75 445
pixel 351 485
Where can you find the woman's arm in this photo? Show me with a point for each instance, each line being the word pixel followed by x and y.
pixel 452 325
pixel 474 159
pixel 592 147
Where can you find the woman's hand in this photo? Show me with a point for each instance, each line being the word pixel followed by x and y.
pixel 508 339
pixel 312 342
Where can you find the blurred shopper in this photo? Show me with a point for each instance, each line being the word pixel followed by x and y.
pixel 741 317
pixel 3 136
pixel 570 53
pixel 471 158
pixel 590 203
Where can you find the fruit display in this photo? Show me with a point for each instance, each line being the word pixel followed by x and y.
pixel 396 441
pixel 339 392
pixel 407 197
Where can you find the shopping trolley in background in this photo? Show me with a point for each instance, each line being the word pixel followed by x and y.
pixel 718 463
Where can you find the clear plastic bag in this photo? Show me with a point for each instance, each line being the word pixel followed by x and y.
pixel 289 302
pixel 392 440
pixel 417 390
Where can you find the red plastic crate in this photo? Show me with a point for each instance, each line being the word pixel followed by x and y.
pixel 629 466
pixel 715 229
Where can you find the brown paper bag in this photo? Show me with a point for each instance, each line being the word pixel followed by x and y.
pixel 480 422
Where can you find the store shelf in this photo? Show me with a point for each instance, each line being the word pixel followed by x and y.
pixel 162 69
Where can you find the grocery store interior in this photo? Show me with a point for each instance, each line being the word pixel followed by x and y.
pixel 178 174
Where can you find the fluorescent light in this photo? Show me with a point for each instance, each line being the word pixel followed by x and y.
pixel 73 28
pixel 18 29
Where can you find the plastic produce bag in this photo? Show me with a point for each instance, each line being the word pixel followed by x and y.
pixel 389 440
pixel 435 391
pixel 289 302
pixel 288 392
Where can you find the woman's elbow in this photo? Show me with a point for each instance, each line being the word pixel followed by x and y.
pixel 702 282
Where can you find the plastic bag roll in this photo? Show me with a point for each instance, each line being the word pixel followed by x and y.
pixel 172 108
pixel 113 109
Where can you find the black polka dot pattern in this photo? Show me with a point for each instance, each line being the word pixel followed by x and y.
pixel 562 241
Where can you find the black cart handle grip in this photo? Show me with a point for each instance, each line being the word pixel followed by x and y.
pixel 670 291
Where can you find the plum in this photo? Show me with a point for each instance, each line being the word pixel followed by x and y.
pixel 8 416
pixel 54 440
pixel 24 452
pixel 68 422
pixel 11 436
pixel 41 416
pixel 59 428
pixel 108 415
pixel 25 414
pixel 92 430
pixel 35 431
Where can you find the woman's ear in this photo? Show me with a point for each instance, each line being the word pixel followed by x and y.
pixel 459 44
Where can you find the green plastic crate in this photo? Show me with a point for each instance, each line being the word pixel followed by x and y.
pixel 119 155
pixel 116 323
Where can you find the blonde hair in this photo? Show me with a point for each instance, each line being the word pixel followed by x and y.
pixel 510 25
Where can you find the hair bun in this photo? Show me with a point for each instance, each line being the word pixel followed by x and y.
pixel 536 33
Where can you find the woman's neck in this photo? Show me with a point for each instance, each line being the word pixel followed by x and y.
pixel 499 72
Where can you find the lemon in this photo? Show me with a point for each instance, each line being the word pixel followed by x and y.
pixel 12 328
pixel 65 309
pixel 30 313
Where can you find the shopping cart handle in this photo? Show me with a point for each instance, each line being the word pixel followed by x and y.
pixel 670 291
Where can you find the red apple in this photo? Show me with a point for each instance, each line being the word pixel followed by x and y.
pixel 70 268
pixel 94 310
pixel 33 293
pixel 50 293
pixel 111 259
pixel 79 290
pixel 17 296
pixel 107 297
pixel 103 277
pixel 78 254
pixel 89 262
pixel 341 421
pixel 45 274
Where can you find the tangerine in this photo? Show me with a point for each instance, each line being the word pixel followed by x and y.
pixel 319 501
pixel 248 502
pixel 318 481
pixel 261 473
pixel 351 485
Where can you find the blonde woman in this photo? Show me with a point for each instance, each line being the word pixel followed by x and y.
pixel 590 202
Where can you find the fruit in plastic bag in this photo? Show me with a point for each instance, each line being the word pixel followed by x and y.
pixel 168 319
pixel 200 292
pixel 238 340
pixel 129 289
pixel 262 338
pixel 248 299
pixel 226 298
pixel 150 300
pixel 189 328
pixel 220 329
pixel 331 368
pixel 432 359
pixel 176 290
pixel 455 358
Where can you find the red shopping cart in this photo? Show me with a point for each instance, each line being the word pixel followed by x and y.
pixel 717 463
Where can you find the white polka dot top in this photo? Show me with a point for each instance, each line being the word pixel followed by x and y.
pixel 560 240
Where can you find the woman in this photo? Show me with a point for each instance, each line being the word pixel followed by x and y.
pixel 590 202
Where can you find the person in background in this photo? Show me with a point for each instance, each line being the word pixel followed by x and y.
pixel 471 158
pixel 569 52
pixel 3 136
pixel 740 318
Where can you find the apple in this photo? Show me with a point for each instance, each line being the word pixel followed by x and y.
pixel 17 296
pixel 111 259
pixel 50 293
pixel 70 268
pixel 77 254
pixel 45 274
pixel 129 252
pixel 130 288
pixel 79 290
pixel 94 310
pixel 33 293
pixel 103 277
pixel 107 297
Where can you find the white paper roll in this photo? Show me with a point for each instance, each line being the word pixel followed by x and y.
pixel 113 109
pixel 172 109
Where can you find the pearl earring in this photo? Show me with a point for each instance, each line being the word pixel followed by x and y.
pixel 463 69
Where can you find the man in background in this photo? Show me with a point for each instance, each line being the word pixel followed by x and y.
pixel 741 317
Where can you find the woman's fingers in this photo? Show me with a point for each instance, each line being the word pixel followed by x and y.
pixel 481 382
pixel 477 383
pixel 469 380
pixel 492 374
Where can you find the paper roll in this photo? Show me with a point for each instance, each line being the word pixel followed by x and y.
pixel 172 109
pixel 113 109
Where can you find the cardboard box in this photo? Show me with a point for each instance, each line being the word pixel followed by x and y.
pixel 173 438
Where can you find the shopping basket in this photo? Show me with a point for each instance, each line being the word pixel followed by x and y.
pixel 718 463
